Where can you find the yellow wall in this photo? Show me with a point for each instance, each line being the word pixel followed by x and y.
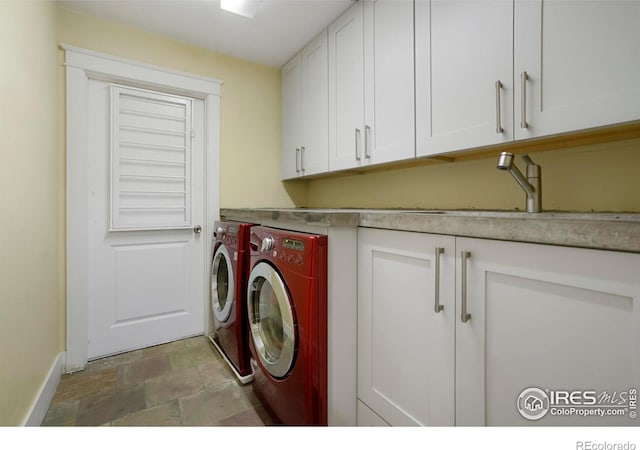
pixel 250 110
pixel 602 177
pixel 29 325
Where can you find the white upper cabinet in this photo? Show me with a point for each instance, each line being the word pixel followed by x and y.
pixel 464 74
pixel 346 89
pixel 291 80
pixel 583 65
pixel 394 79
pixel 389 81
pixel 371 85
pixel 562 66
pixel 305 132
pixel 314 156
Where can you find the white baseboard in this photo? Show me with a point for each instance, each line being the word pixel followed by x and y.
pixel 40 405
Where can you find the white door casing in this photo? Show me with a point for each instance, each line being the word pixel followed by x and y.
pixel 81 67
pixel 145 261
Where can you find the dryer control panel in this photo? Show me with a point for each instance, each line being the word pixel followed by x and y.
pixel 288 249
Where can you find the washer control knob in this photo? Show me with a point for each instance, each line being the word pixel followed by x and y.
pixel 219 231
pixel 267 244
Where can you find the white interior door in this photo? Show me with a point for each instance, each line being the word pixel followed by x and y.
pixel 145 180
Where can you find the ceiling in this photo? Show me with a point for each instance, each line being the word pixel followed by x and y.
pixel 278 30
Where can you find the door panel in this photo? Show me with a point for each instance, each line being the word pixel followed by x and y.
pixel 389 81
pixel 552 318
pixel 346 89
pixel 314 156
pixel 405 348
pixel 162 283
pixel 582 62
pixel 463 47
pixel 145 287
pixel 291 117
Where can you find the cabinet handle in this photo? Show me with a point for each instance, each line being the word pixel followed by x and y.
pixel 499 128
pixel 438 307
pixel 357 142
pixel 523 100
pixel 465 315
pixel 367 133
pixel 302 158
pixel 297 160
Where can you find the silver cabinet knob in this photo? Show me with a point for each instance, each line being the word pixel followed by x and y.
pixel 197 229
pixel 267 244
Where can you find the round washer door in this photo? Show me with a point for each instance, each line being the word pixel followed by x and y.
pixel 271 320
pixel 222 284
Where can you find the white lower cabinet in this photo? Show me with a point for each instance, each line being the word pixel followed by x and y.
pixel 555 318
pixel 367 418
pixel 559 324
pixel 406 348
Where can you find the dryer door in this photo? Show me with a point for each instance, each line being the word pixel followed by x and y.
pixel 222 284
pixel 271 318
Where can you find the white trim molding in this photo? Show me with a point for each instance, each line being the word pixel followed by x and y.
pixel 81 66
pixel 47 390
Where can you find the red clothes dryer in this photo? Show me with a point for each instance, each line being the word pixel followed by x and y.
pixel 287 311
pixel 228 287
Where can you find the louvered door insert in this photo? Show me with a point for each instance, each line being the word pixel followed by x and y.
pixel 151 139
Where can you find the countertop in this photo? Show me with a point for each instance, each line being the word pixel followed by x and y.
pixel 605 231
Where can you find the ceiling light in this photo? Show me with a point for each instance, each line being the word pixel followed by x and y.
pixel 246 8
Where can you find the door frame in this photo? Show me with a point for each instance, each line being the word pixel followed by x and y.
pixel 81 66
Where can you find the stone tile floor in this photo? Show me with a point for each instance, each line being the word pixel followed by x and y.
pixel 184 382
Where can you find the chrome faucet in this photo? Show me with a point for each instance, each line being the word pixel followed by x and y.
pixel 532 185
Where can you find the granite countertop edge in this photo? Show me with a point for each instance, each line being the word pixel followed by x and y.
pixel 604 231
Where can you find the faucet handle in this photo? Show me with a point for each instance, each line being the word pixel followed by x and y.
pixel 533 170
pixel 528 160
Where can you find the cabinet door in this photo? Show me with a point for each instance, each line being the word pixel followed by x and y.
pixel 582 62
pixel 552 318
pixel 291 80
pixel 367 418
pixel 389 81
pixel 463 49
pixel 314 151
pixel 346 89
pixel 405 348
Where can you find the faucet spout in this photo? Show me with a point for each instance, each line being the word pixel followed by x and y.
pixel 532 184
